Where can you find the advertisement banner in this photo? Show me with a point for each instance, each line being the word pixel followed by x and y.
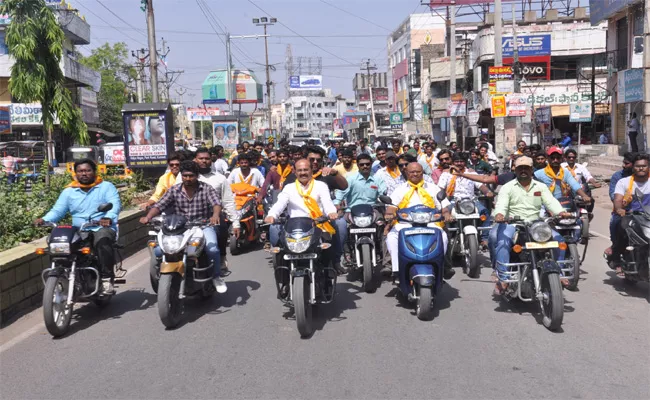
pixel 630 86
pixel 306 82
pixel 497 74
pixel 504 87
pixel 202 114
pixel 5 120
pixel 456 108
pixel 27 114
pixel 114 155
pixel 580 112
pixel 516 105
pixel 146 138
pixel 378 94
pixel 87 97
pixel 225 133
pixel 543 115
pixel 535 71
pixel 498 106
pixel 396 120
pixel 527 45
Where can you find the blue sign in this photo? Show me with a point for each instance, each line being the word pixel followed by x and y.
pixel 630 86
pixel 5 120
pixel 527 45
pixel 600 10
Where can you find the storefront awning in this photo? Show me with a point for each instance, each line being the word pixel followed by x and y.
pixel 246 88
pixel 563 110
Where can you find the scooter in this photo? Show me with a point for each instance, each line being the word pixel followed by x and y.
pixel 421 256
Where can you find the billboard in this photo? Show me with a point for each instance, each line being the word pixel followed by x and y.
pixel 630 86
pixel 306 82
pixel 527 45
pixel 5 120
pixel 378 94
pixel 225 133
pixel 516 105
pixel 580 112
pixel 146 136
pixel 445 3
pixel 202 114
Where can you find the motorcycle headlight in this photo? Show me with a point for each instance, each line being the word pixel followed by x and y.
pixel 298 245
pixel 421 217
pixel 60 248
pixel 172 244
pixel 541 232
pixel 466 207
pixel 362 222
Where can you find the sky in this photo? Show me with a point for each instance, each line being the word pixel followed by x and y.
pixel 196 49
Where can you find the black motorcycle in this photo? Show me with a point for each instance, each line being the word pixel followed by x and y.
pixel 366 225
pixel 575 231
pixel 305 276
pixel 73 276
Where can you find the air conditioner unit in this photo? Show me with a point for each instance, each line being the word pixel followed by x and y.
pixel 580 13
pixel 530 16
pixel 551 15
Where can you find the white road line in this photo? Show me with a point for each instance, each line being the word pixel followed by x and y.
pixel 600 235
pixel 40 325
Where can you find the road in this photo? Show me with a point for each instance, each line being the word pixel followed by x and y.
pixel 242 344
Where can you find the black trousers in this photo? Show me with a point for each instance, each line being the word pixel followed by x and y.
pixel 620 239
pixel 633 143
pixel 222 235
pixel 103 241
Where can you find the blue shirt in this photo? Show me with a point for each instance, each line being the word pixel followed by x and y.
pixel 83 205
pixel 376 165
pixel 541 176
pixel 332 155
pixel 566 141
pixel 360 191
pixel 618 175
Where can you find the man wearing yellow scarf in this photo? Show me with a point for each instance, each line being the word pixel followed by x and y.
pixel 560 181
pixel 412 193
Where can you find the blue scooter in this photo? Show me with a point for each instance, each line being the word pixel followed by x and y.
pixel 421 257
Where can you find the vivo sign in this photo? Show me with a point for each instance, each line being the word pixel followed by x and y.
pixel 527 45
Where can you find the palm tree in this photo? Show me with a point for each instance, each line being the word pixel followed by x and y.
pixel 35 42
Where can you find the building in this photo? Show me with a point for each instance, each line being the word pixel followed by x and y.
pixel 83 82
pixel 559 56
pixel 313 115
pixel 380 102
pixel 627 65
pixel 404 69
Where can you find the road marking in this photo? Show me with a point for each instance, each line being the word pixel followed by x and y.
pixel 40 325
pixel 600 235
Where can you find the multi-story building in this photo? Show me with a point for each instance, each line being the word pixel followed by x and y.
pixel 629 80
pixel 313 115
pixel 380 102
pixel 83 82
pixel 404 69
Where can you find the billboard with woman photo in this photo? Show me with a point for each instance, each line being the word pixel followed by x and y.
pixel 225 133
pixel 146 137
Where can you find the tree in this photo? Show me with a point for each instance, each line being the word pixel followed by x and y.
pixel 112 62
pixel 35 42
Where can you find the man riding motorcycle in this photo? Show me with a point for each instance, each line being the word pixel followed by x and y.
pixel 523 198
pixel 194 200
pixel 81 198
pixel 348 165
pixel 429 157
pixel 409 194
pixel 167 180
pixel 560 182
pixel 444 161
pixel 277 176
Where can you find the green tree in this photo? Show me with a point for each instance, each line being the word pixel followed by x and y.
pixel 35 41
pixel 116 73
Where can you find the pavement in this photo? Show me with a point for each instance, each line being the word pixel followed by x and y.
pixel 244 344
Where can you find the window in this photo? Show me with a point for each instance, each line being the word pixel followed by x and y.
pixel 621 44
pixel 564 69
pixel 399 85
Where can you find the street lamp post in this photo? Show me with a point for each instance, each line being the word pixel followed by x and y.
pixel 264 21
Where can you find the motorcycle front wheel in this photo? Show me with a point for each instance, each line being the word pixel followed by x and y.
pixel 471 260
pixel 301 306
pixel 368 276
pixel 424 307
pixel 170 307
pixel 56 315
pixel 234 250
pixel 575 257
pixel 552 303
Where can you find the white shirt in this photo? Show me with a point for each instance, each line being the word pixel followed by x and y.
pixel 219 183
pixel 464 187
pixel 580 171
pixel 257 180
pixel 220 166
pixel 624 183
pixel 434 162
pixel 290 200
pixel 633 125
pixel 432 189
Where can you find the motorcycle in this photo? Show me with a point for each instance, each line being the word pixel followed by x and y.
pixel 533 273
pixel 73 276
pixel 464 235
pixel 365 234
pixel 185 269
pixel 636 259
pixel 250 219
pixel 574 234
pixel 421 256
pixel 310 281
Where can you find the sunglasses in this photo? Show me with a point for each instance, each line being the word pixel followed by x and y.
pixel 363 164
pixel 445 159
pixel 403 165
pixel 315 159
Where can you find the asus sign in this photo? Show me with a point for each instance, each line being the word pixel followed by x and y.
pixel 527 45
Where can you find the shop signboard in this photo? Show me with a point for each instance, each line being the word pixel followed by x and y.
pixel 580 112
pixel 516 105
pixel 456 108
pixel 505 87
pixel 527 45
pixel 396 120
pixel 149 134
pixel 27 114
pixel 498 106
pixel 378 94
pixel 498 74
pixel 473 116
pixel 5 120
pixel 630 86
pixel 202 114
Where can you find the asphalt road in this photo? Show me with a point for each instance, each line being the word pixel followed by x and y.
pixel 243 344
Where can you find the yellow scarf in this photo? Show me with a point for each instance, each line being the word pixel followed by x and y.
pixel 420 152
pixel 283 173
pixel 247 180
pixel 424 195
pixel 519 153
pixel 394 173
pixel 314 211
pixel 451 186
pixel 560 176
pixel 429 159
pixel 76 184
pixel 572 170
pixel 317 174
pixel 627 197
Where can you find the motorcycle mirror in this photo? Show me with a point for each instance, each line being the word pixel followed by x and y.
pixel 441 195
pixel 385 199
pixel 105 207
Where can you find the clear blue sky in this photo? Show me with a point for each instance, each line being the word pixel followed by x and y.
pixel 196 49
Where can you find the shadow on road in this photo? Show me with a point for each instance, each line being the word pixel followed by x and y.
pixel 531 308
pixel 628 288
pixel 123 302
pixel 443 301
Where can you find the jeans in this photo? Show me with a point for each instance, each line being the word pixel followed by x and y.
pixel 613 223
pixel 274 234
pixel 103 240
pixel 500 244
pixel 212 248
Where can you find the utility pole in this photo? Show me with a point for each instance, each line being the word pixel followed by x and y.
pixel 153 54
pixel 499 129
pixel 451 13
pixel 593 98
pixel 646 75
pixel 229 96
pixel 140 75
pixel 516 71
pixel 264 21
pixel 372 103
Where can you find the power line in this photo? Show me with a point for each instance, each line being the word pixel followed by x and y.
pixel 118 17
pixel 355 15
pixel 342 35
pixel 109 26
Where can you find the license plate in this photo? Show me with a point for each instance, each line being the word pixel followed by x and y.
pixel 363 230
pixel 420 232
pixel 547 245
pixel 463 216
pixel 300 256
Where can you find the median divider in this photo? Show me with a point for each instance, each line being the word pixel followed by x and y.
pixel 21 287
